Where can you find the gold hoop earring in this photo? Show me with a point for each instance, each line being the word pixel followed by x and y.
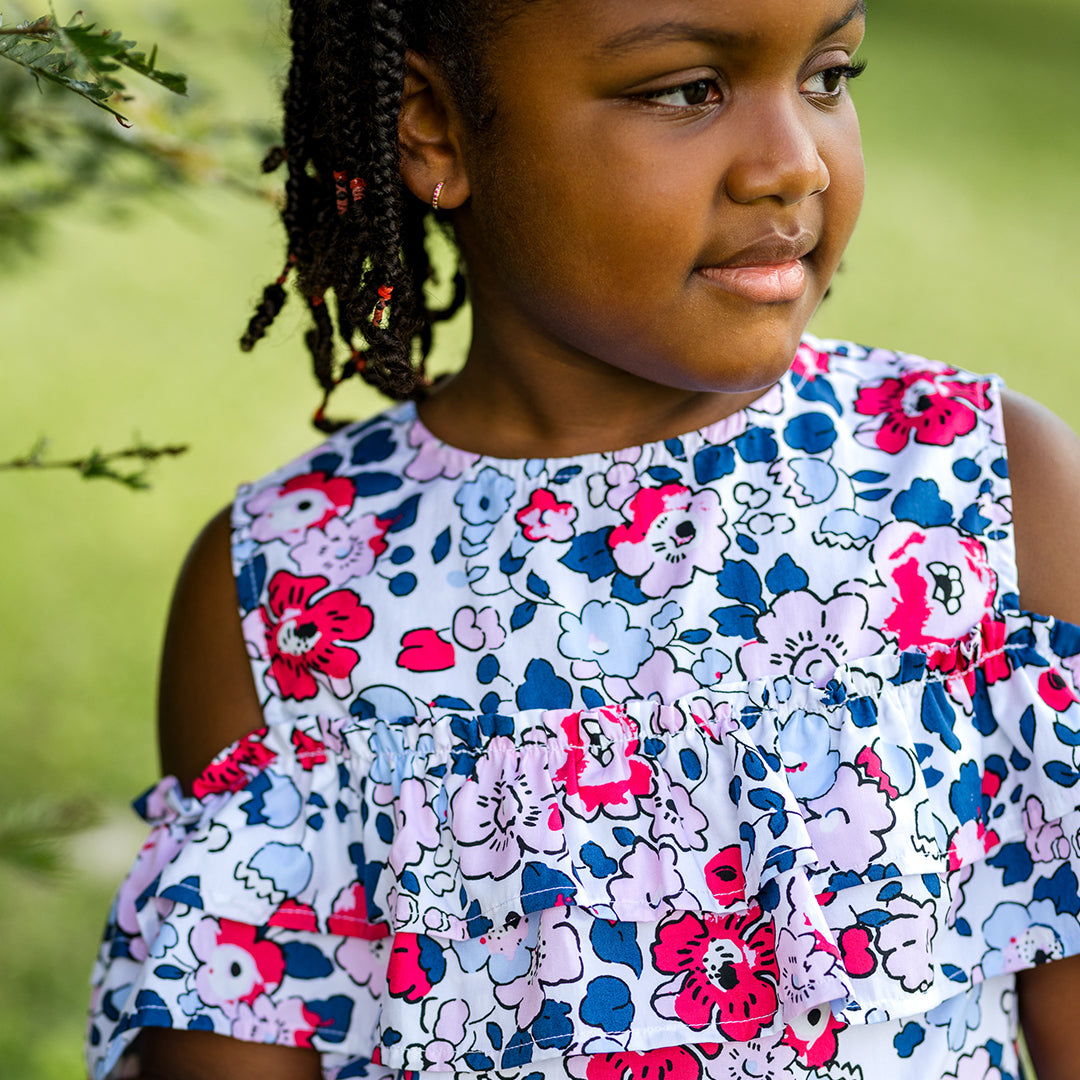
pixel 435 195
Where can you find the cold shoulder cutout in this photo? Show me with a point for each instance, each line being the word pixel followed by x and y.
pixel 206 699
pixel 732 754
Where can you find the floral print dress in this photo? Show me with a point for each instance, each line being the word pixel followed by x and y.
pixel 730 755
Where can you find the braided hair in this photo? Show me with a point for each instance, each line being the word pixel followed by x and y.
pixel 353 229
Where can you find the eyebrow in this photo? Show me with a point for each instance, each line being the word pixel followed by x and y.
pixel 651 34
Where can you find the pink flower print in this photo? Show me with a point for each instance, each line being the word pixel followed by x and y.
pixel 156 854
pixel 500 815
pixel 619 483
pixel 977 1065
pixel 302 503
pixel 1055 691
pixel 849 821
pixel 342 552
pixel 960 660
pixel 813 1036
pixel 855 948
pixel 938 583
pixel 365 962
pixel 661 679
pixel 1045 840
pixel 927 404
pixel 603 767
pixel 808 970
pixel 674 815
pixel 450 1032
pixel 545 518
pixel 434 458
pixel 416 826
pixel 670 1063
pixel 556 959
pixel 648 883
pixel 349 915
pixel 809 639
pixel 809 363
pixel 234 966
pixel 756 1058
pixel 672 532
pixel 416 965
pixel 475 630
pixel 233 770
pixel 971 842
pixel 723 964
pixel 286 1023
pixel 301 638
pixel 725 876
pixel 906 942
pixel 423 650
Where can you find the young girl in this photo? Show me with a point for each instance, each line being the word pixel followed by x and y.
pixel 652 698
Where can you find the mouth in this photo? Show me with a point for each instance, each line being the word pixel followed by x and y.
pixel 769 271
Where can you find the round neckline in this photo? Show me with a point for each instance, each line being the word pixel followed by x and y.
pixel 770 400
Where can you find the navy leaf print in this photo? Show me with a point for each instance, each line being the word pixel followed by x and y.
pixel 922 503
pixel 786 576
pixel 523 614
pixel 616 942
pixel 250 582
pixel 590 554
pixel 713 463
pixel 738 580
pixel 441 548
pixel 543 689
pixel 735 622
pixel 538 585
pixel 607 1004
pixel 377 446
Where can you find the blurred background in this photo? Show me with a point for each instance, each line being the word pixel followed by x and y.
pixel 127 274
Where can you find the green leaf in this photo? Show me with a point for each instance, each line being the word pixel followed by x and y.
pixel 31 833
pixel 83 59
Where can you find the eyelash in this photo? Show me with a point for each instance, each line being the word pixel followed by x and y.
pixel 845 72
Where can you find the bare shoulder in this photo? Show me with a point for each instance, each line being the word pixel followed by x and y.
pixel 1044 468
pixel 206 696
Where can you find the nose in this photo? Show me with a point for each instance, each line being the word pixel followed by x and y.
pixel 779 157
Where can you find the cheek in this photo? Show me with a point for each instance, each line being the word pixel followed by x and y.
pixel 847 183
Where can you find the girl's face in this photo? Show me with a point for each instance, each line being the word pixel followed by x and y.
pixel 668 185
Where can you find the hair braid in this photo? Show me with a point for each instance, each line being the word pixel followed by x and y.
pixel 353 230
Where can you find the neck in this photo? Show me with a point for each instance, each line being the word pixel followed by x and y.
pixel 525 400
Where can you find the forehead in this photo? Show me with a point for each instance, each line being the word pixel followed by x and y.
pixel 614 29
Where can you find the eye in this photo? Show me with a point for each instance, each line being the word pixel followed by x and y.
pixel 689 95
pixel 831 82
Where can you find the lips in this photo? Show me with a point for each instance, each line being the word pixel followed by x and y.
pixel 768 271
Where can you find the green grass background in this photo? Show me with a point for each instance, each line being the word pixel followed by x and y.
pixel 967 251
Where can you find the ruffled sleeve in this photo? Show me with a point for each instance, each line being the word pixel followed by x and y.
pixel 468 893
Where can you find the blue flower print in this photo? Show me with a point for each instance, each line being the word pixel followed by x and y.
pixel 811 762
pixel 604 634
pixel 960 1014
pixel 1022 935
pixel 712 667
pixel 483 501
pixel 393 761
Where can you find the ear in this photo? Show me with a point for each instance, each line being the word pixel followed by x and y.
pixel 429 135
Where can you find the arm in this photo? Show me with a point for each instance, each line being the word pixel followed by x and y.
pixel 207 700
pixel 1044 466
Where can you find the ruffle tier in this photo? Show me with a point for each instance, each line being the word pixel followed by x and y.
pixel 464 893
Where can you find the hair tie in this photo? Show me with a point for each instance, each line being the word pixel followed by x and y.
pixel 385 292
pixel 341 193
